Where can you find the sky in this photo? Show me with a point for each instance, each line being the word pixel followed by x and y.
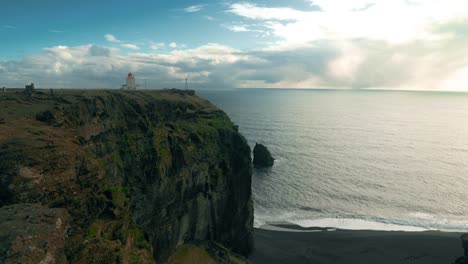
pixel 353 44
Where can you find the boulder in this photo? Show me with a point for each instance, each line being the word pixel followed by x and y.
pixel 262 156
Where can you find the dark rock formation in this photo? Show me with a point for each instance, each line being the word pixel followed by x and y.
pixel 139 173
pixel 262 156
pixel 464 259
pixel 46 117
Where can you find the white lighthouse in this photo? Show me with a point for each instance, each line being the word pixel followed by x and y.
pixel 131 82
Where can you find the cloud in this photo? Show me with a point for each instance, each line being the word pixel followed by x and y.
pixel 238 28
pixel 253 11
pixel 349 5
pixel 130 46
pixel 210 18
pixel 56 31
pixel 353 19
pixel 8 26
pixel 157 45
pixel 91 66
pixel 193 9
pixel 111 38
pixel 95 50
pixel 328 59
pixel 245 28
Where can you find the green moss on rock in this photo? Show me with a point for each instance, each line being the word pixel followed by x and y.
pixel 141 173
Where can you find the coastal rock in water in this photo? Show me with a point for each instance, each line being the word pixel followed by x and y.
pixel 262 156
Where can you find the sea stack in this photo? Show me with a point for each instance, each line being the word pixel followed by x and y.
pixel 262 156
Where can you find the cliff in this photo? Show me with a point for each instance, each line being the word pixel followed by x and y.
pixel 127 177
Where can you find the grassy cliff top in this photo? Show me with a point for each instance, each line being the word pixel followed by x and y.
pixel 15 103
pixel 22 114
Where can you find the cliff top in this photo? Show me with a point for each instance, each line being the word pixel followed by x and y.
pixel 17 109
pixel 44 98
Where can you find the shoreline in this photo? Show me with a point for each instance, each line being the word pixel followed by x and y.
pixel 291 243
pixel 380 224
pixel 294 227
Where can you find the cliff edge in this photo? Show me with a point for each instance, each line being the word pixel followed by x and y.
pixel 121 177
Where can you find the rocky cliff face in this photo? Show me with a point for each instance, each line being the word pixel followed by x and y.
pixel 134 175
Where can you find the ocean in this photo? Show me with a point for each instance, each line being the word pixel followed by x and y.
pixel 356 159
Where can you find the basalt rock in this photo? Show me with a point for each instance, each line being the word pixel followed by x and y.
pixel 139 173
pixel 464 242
pixel 262 156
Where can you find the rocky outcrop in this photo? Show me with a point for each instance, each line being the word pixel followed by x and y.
pixel 464 242
pixel 32 233
pixel 262 156
pixel 139 173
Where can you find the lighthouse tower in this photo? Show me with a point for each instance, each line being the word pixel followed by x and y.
pixel 131 82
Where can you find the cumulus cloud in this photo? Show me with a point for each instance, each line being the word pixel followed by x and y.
pixel 253 11
pixel 111 38
pixel 95 50
pixel 353 19
pixel 246 28
pixel 357 44
pixel 348 63
pixel 91 66
pixel 130 46
pixel 193 9
pixel 238 28
pixel 157 45
pixel 366 46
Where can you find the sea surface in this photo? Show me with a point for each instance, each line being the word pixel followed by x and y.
pixel 353 159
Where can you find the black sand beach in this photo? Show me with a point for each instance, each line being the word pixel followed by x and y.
pixel 348 246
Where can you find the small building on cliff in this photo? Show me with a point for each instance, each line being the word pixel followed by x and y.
pixel 29 89
pixel 131 82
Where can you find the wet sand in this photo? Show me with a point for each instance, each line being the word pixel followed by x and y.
pixel 317 245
